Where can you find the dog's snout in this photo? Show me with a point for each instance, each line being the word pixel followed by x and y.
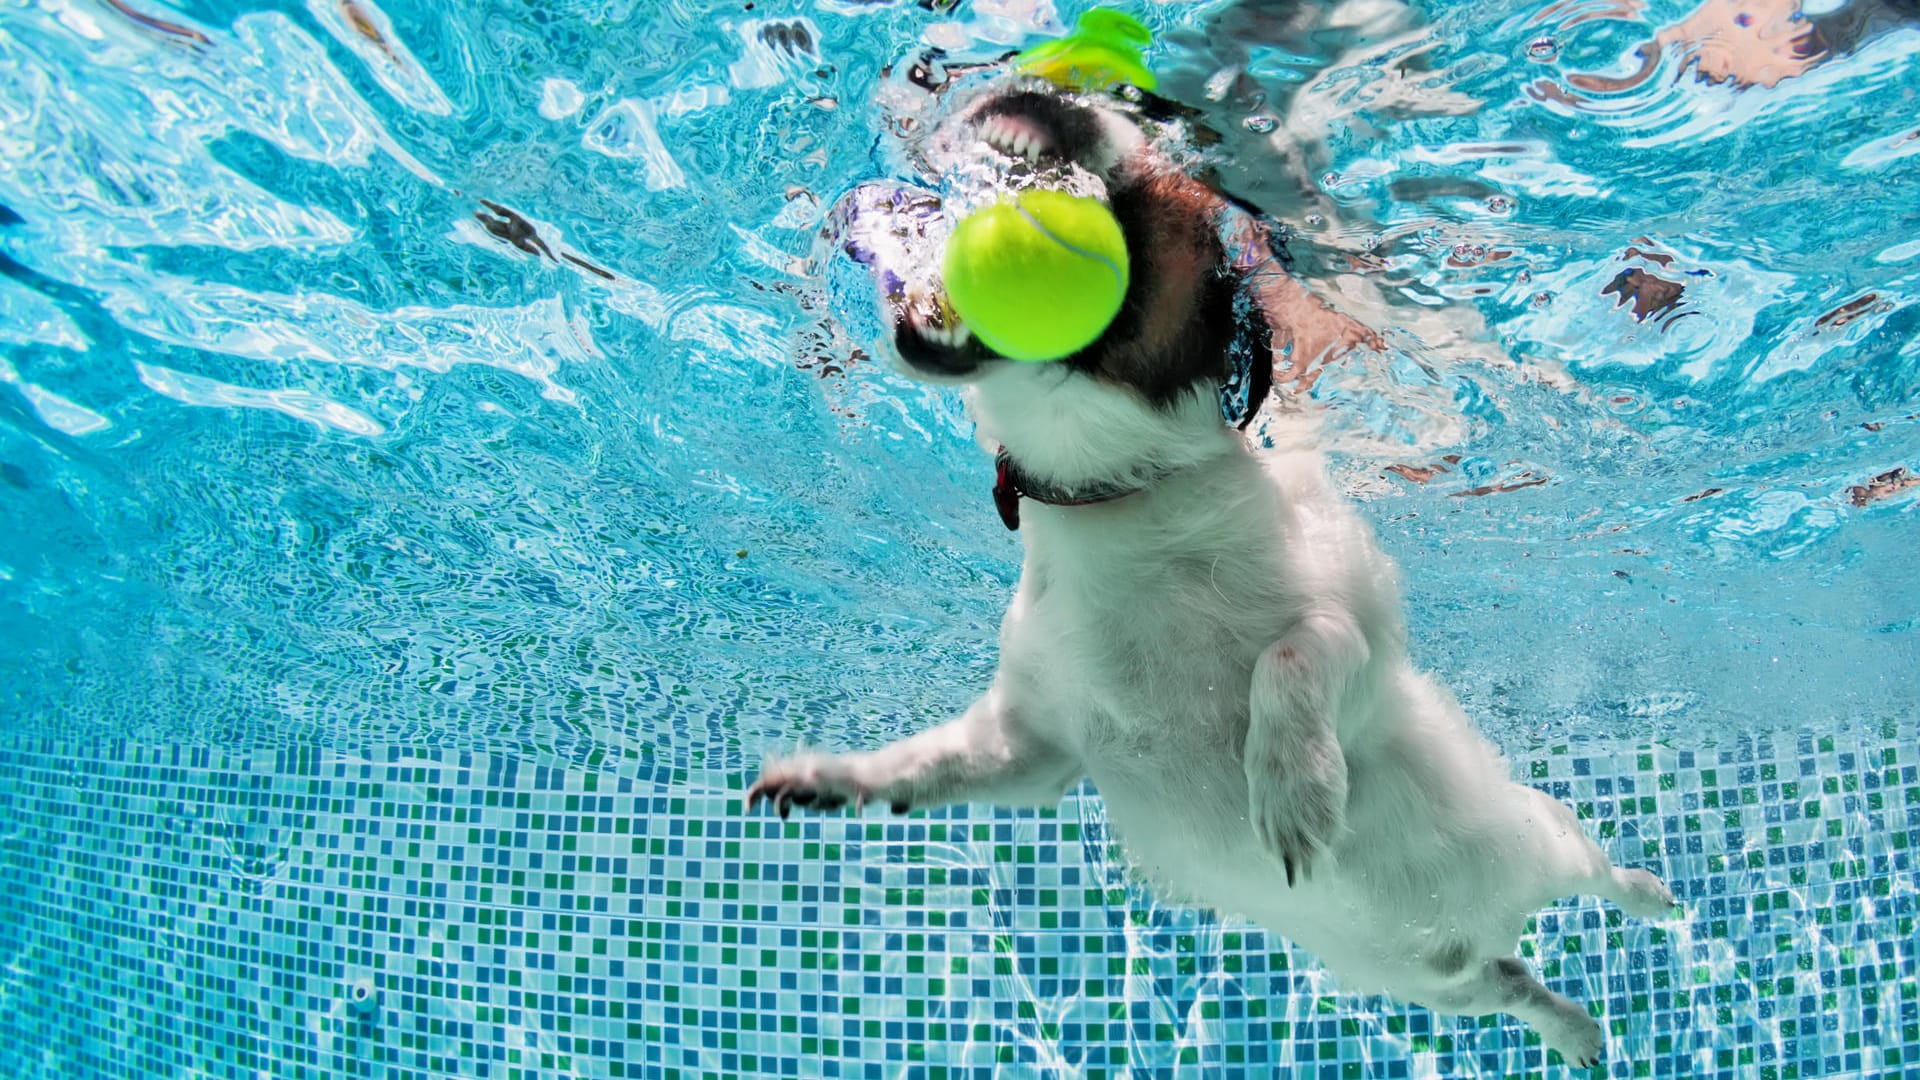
pixel 948 357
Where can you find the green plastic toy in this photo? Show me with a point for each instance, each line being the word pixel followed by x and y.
pixel 1102 52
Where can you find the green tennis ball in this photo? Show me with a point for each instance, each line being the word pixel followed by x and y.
pixel 1037 276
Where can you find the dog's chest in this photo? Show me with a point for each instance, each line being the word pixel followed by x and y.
pixel 1147 656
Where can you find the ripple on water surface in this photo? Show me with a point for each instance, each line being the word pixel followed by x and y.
pixel 377 371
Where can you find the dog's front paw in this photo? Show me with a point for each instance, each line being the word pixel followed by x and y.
pixel 1298 808
pixel 815 781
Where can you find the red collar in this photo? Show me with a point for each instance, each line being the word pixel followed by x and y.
pixel 1240 401
pixel 1011 484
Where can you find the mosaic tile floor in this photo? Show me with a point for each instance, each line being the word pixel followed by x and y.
pixel 166 912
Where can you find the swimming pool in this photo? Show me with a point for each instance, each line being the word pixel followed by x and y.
pixel 432 481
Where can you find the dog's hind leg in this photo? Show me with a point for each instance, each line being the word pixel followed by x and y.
pixel 1577 866
pixel 985 755
pixel 1504 985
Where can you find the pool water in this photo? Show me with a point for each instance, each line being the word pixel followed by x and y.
pixel 432 476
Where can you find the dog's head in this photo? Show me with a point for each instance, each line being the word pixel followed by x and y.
pixel 1185 324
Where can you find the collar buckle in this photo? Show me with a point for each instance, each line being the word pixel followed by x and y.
pixel 1006 490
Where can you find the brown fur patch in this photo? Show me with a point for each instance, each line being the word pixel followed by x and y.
pixel 1174 328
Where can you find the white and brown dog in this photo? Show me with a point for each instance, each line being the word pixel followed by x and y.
pixel 1211 634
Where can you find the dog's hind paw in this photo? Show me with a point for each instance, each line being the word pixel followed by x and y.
pixel 1576 1037
pixel 812 781
pixel 1644 896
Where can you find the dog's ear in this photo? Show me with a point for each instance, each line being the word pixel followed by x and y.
pixel 1303 332
pixel 1261 266
pixel 1249 355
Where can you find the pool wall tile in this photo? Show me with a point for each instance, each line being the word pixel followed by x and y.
pixel 167 911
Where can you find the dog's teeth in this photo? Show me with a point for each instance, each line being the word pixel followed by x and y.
pixel 997 134
pixel 952 335
pixel 1014 138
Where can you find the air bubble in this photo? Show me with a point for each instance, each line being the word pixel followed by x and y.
pixel 1469 253
pixel 1543 50
pixel 1499 204
pixel 1260 124
pixel 1542 299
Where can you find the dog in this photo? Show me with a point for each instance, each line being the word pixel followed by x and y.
pixel 1208 632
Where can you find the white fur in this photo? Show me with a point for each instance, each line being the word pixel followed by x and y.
pixel 1223 654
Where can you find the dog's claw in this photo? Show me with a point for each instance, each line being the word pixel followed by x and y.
pixel 1578 1039
pixel 1296 849
pixel 1296 817
pixel 810 782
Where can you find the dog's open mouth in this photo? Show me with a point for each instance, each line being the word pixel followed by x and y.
pixel 892 236
pixel 1035 127
pixel 898 232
